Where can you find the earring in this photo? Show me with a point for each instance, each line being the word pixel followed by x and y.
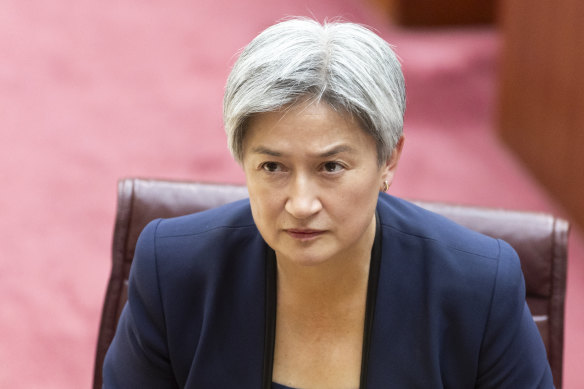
pixel 385 186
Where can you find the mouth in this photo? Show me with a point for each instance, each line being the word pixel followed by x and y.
pixel 304 234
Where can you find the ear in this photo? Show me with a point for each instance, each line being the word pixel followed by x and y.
pixel 390 166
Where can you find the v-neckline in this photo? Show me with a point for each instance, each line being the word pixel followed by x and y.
pixel 271 304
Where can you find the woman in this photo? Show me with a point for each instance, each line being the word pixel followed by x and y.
pixel 318 280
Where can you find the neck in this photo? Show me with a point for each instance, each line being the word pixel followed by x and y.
pixel 331 286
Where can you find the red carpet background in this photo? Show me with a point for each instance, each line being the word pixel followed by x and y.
pixel 94 91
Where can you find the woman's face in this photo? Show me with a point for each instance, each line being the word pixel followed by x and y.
pixel 313 181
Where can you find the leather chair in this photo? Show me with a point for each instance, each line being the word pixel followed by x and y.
pixel 539 239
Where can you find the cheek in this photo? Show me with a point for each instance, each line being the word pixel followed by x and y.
pixel 364 185
pixel 356 203
pixel 264 208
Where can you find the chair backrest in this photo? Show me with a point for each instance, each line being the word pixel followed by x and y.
pixel 539 239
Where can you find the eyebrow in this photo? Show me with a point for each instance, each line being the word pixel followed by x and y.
pixel 336 150
pixel 328 153
pixel 266 151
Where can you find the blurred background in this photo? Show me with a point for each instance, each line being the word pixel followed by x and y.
pixel 91 92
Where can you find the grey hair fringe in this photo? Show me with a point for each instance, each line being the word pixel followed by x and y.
pixel 343 64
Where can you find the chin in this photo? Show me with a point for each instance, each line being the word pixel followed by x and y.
pixel 305 259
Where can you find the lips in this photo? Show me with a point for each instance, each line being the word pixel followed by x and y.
pixel 304 234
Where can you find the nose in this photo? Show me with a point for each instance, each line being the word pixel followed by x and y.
pixel 303 198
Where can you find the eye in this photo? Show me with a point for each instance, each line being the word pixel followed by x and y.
pixel 271 167
pixel 333 167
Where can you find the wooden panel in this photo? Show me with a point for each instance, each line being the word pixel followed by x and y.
pixel 438 12
pixel 542 94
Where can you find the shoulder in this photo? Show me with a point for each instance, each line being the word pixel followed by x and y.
pixel 196 237
pixel 236 215
pixel 187 276
pixel 409 221
pixel 467 284
pixel 463 267
pixel 195 262
pixel 199 247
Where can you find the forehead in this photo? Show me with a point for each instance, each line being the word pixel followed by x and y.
pixel 315 126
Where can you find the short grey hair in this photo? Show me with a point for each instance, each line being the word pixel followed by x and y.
pixel 343 64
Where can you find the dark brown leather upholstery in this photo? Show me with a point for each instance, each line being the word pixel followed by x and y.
pixel 539 239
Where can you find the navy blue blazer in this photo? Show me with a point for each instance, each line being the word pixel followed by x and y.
pixel 450 307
